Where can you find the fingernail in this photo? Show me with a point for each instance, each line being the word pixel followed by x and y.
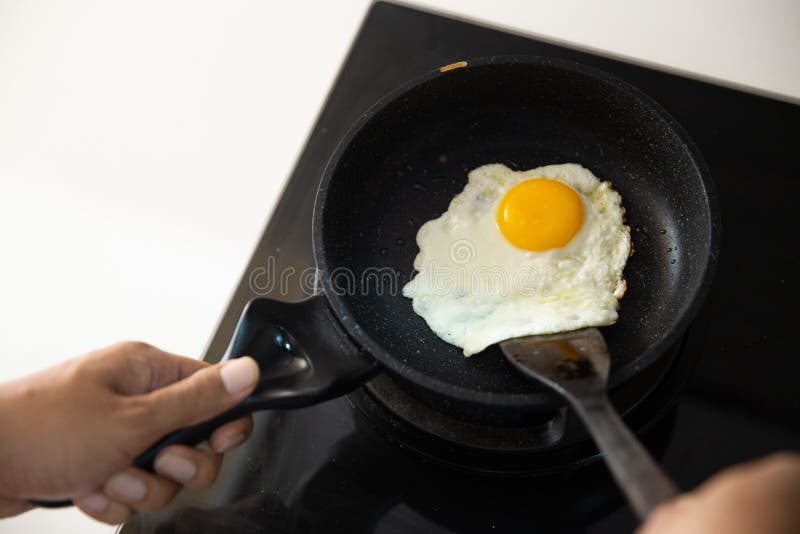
pixel 238 374
pixel 175 467
pixel 126 486
pixel 231 442
pixel 94 502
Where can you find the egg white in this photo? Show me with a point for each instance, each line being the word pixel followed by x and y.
pixel 474 288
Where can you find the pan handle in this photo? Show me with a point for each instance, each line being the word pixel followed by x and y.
pixel 304 355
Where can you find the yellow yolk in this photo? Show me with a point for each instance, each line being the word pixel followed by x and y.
pixel 540 214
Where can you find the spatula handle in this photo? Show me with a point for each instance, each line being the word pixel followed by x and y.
pixel 637 474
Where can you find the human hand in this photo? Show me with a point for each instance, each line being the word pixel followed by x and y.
pixel 72 431
pixel 758 497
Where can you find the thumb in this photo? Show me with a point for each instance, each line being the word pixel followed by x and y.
pixel 201 395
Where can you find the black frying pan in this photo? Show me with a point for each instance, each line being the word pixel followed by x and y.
pixel 388 177
pixel 401 164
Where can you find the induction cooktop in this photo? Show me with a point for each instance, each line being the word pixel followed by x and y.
pixel 346 466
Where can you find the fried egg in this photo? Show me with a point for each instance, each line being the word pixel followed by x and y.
pixel 521 253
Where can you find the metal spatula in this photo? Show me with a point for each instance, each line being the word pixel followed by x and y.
pixel 575 365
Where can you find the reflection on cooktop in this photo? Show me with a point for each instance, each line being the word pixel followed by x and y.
pixel 327 470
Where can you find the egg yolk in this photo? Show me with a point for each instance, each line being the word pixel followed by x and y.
pixel 540 214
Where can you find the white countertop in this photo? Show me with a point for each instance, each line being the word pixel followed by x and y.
pixel 143 145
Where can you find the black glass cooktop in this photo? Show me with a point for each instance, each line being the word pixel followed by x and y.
pixel 330 469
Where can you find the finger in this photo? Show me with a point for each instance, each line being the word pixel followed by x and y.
pixel 134 368
pixel 99 506
pixel 186 465
pixel 168 368
pixel 12 507
pixel 231 434
pixel 198 397
pixel 140 490
pixel 784 462
pixel 663 518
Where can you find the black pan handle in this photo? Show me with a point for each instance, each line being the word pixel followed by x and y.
pixel 304 355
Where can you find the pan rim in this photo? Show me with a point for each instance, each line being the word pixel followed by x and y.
pixel 544 400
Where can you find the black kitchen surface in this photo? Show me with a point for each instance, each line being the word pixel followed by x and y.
pixel 344 466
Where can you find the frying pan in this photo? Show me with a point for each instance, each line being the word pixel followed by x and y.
pixel 401 164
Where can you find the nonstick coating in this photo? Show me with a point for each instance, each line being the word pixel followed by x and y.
pixel 406 158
